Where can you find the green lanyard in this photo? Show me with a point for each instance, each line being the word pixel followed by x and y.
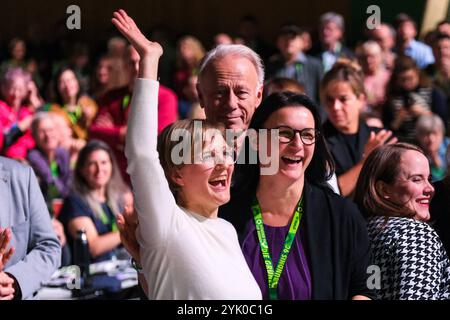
pixel 52 191
pixel 273 276
pixel 298 69
pixel 125 102
pixel 74 116
pixel 54 169
pixel 105 220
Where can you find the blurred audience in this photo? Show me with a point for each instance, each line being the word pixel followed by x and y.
pixel 385 35
pixel 110 124
pixel 293 63
pixel 15 114
pixel 410 95
pixel 331 36
pixel 430 136
pixel 406 29
pixel 376 77
pixel 190 52
pixel 71 102
pixel 50 162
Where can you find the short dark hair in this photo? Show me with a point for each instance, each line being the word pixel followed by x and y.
pixel 440 36
pixel 322 166
pixel 290 29
pixel 403 17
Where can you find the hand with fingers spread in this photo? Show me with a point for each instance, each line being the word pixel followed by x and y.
pixel 149 51
pixel 378 139
pixel 127 223
pixel 5 253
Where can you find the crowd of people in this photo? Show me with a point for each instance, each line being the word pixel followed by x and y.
pixel 363 176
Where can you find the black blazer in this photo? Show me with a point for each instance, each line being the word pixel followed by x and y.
pixel 335 140
pixel 335 236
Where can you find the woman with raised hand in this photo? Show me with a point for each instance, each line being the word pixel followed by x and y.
pixel 186 252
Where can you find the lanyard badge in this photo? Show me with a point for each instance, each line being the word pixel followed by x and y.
pixel 273 275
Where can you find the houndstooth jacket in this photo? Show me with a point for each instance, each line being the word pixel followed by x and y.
pixel 411 258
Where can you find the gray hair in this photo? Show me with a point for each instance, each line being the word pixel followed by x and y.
pixel 14 73
pixel 371 46
pixel 239 50
pixel 391 29
pixel 429 123
pixel 332 17
pixel 38 117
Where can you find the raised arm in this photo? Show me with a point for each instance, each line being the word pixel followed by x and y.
pixel 154 202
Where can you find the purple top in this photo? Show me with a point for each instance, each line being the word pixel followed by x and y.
pixel 295 280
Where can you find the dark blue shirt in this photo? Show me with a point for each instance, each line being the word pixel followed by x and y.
pixel 75 207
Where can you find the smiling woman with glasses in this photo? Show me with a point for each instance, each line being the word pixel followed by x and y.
pixel 317 243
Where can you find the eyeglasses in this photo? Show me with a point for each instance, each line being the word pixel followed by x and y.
pixel 307 135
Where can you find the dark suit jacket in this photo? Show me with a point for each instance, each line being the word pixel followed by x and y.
pixel 310 75
pixel 337 242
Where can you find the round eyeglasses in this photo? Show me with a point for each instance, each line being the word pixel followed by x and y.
pixel 287 134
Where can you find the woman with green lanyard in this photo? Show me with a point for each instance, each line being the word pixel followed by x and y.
pixel 98 195
pixel 301 240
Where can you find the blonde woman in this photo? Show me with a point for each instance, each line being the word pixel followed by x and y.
pixel 186 251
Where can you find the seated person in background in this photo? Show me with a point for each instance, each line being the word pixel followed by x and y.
pixel 49 161
pixel 66 138
pixel 385 36
pixel 331 34
pixel 189 54
pixel 410 95
pixel 37 252
pixel 376 77
pixel 222 38
pixel 102 80
pixel 407 45
pixel 97 196
pixel 430 132
pixel 439 208
pixel 349 138
pixel 282 84
pixel 292 63
pixel 72 103
pixel 440 70
pixel 110 124
pixel 15 115
pixel 393 191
